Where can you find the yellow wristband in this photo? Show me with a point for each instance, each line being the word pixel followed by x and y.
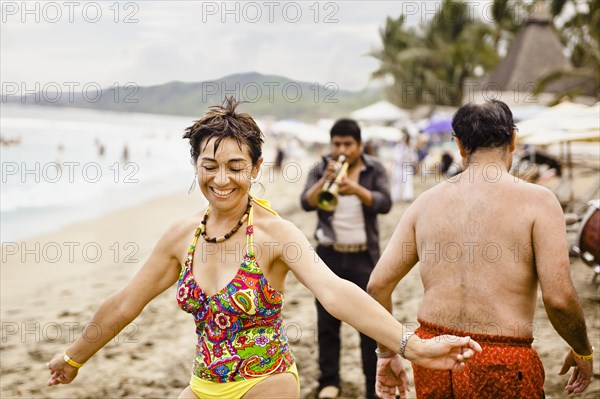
pixel 582 357
pixel 71 362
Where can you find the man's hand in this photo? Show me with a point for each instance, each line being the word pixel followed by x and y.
pixel 582 373
pixel 348 187
pixel 391 376
pixel 332 170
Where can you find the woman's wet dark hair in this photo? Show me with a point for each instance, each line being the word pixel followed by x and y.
pixel 222 122
pixel 486 125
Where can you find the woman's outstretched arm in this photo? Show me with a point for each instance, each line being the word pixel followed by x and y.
pixel 347 302
pixel 157 274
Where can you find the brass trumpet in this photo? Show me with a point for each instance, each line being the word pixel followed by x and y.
pixel 327 198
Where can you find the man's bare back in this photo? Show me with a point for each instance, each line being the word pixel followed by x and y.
pixel 476 258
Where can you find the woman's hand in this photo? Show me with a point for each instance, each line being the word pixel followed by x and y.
pixel 60 371
pixel 446 352
pixel 391 376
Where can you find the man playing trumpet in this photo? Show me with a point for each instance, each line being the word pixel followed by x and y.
pixel 347 237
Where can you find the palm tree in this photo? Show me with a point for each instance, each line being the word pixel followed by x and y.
pixel 397 60
pixel 580 34
pixel 457 48
pixel 431 64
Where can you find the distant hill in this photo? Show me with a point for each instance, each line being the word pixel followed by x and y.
pixel 266 95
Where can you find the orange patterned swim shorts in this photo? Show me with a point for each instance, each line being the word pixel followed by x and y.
pixel 508 368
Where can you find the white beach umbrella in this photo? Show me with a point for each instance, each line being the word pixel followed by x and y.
pixel 563 118
pixel 381 112
pixel 302 131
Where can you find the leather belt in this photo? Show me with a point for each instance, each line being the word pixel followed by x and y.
pixel 348 248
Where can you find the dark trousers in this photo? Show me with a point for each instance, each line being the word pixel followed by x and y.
pixel 355 267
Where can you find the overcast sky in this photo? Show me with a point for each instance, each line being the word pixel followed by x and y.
pixel 154 42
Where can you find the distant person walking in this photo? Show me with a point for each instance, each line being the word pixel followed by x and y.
pixel 125 156
pixel 404 168
pixel 279 157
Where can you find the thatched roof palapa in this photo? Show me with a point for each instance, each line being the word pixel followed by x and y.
pixel 535 52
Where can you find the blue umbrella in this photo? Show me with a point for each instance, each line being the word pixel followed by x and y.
pixel 439 126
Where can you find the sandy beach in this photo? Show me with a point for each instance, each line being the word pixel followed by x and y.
pixel 52 284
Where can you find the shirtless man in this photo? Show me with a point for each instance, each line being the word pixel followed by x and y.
pixel 484 240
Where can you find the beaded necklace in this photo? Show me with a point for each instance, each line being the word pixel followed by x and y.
pixel 232 232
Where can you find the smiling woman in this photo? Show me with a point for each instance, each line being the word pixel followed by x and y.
pixel 225 172
pixel 237 301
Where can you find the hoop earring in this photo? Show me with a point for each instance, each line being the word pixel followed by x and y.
pixel 261 188
pixel 193 185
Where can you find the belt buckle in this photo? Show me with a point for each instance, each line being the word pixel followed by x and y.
pixel 350 248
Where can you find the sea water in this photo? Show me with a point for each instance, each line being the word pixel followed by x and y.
pixel 64 165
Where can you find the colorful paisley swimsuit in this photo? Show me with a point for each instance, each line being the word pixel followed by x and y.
pixel 241 339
